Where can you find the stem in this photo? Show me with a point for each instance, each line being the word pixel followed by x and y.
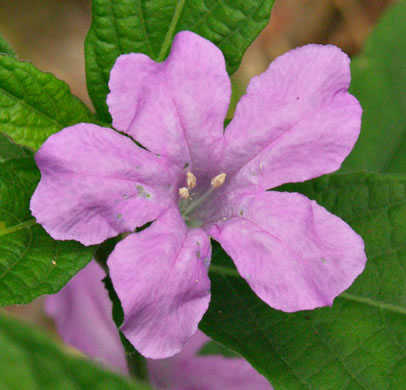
pixel 137 366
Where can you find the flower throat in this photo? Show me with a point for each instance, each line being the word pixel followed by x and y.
pixel 190 201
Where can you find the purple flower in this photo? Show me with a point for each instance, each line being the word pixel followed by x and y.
pixel 83 316
pixel 187 370
pixel 297 121
pixel 82 312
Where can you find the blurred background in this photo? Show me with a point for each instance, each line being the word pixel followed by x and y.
pixel 50 34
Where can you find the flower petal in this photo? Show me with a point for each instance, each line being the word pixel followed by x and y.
pixel 296 122
pixel 293 253
pixel 82 313
pixel 160 276
pixel 218 373
pixel 187 371
pixel 164 373
pixel 175 108
pixel 97 183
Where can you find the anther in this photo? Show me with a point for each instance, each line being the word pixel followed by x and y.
pixel 184 193
pixel 218 180
pixel 190 180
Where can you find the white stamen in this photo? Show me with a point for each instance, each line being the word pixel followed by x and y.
pixel 190 180
pixel 218 180
pixel 184 193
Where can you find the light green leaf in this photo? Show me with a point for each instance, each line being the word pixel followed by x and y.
pixel 148 26
pixel 34 105
pixel 30 361
pixel 379 83
pixel 31 262
pixel 5 48
pixel 359 343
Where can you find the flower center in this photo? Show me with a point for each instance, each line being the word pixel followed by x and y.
pixel 190 201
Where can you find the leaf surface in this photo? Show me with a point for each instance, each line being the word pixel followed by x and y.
pixel 5 47
pixel 34 104
pixel 379 83
pixel 30 361
pixel 10 151
pixel 31 262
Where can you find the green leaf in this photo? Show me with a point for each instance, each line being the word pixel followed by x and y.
pixel 31 262
pixel 214 348
pixel 379 83
pixel 34 105
pixel 10 151
pixel 5 48
pixel 359 343
pixel 30 361
pixel 148 26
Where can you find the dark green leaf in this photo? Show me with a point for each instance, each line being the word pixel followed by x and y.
pixel 31 262
pixel 34 105
pixel 30 361
pixel 359 343
pixel 148 26
pixel 214 348
pixel 379 82
pixel 10 151
pixel 5 48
